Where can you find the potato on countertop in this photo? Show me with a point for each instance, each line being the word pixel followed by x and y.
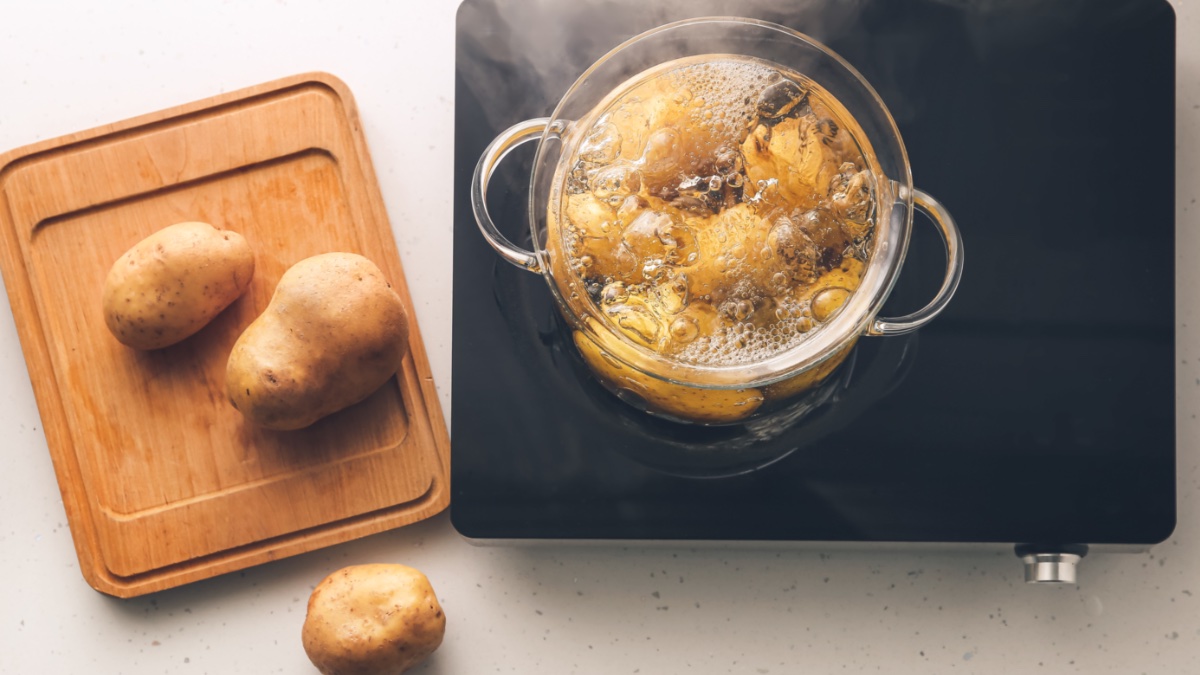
pixel 172 283
pixel 334 332
pixel 379 619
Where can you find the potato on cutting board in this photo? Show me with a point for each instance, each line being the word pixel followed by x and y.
pixel 334 332
pixel 172 283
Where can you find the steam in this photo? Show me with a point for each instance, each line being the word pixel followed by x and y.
pixel 518 57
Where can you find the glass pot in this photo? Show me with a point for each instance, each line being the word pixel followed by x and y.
pixel 719 394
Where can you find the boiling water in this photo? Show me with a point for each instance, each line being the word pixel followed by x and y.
pixel 718 210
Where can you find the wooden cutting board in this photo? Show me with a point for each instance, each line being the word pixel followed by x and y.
pixel 162 480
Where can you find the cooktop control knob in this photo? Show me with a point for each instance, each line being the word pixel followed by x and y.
pixel 1050 563
pixel 1050 568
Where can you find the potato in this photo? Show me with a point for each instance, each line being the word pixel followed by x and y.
pixel 372 620
pixel 828 294
pixel 334 332
pixel 826 303
pixel 706 406
pixel 172 283
pixel 795 153
pixel 807 379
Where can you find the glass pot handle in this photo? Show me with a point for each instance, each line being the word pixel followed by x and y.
pixel 954 265
pixel 529 130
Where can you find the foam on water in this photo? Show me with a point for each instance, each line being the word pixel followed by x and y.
pixel 718 212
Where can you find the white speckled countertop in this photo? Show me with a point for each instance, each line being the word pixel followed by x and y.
pixel 551 609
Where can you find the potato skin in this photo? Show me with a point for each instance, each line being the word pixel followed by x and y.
pixel 334 332
pixel 705 406
pixel 372 620
pixel 172 283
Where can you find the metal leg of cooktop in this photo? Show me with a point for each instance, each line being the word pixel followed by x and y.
pixel 1050 564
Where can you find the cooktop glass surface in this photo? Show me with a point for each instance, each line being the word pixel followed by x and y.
pixel 1039 407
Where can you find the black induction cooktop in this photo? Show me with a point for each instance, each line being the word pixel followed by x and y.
pixel 1038 408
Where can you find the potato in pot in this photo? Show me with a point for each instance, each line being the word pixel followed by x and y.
pixel 334 332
